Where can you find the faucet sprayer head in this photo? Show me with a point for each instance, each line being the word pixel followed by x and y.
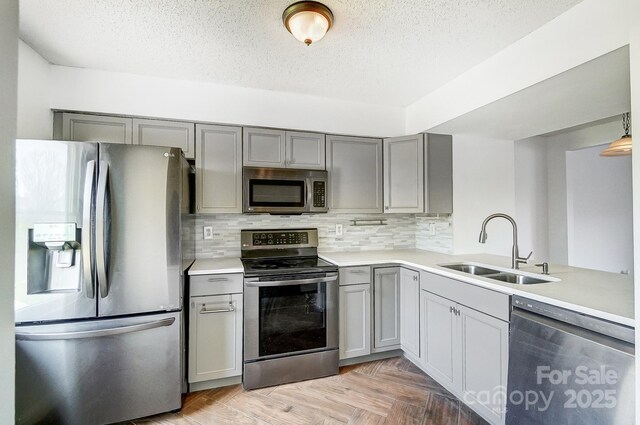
pixel 483 236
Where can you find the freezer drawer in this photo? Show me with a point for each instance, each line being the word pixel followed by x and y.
pixel 98 371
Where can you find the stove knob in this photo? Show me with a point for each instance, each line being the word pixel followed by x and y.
pixel 270 242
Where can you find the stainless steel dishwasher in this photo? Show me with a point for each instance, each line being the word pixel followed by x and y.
pixel 568 368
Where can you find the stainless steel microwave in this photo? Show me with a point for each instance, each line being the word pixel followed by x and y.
pixel 284 190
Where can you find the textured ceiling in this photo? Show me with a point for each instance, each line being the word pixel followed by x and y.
pixel 389 52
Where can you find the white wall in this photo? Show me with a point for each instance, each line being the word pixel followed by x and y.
pixel 483 184
pixel 634 52
pixel 121 93
pixel 589 30
pixel 8 99
pixel 35 120
pixel 531 196
pixel 557 146
pixel 599 211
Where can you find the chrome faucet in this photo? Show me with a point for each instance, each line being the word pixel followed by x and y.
pixel 516 260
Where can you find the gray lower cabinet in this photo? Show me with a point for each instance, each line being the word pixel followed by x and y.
pixel 355 320
pixel 386 308
pixel 215 327
pixel 218 169
pixel 355 174
pixel 464 342
pixel 165 133
pixel 410 312
pixel 92 128
pixel 403 174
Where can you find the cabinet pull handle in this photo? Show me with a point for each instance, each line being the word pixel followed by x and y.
pixel 357 271
pixel 204 310
pixel 415 278
pixel 450 309
pixel 217 279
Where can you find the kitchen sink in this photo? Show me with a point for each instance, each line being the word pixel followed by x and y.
pixel 501 275
pixel 518 279
pixel 471 269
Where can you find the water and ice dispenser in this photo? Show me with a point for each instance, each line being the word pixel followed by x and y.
pixel 54 258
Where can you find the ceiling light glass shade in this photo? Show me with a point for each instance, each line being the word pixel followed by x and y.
pixel 308 21
pixel 620 147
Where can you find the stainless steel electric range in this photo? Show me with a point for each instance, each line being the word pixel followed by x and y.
pixel 290 308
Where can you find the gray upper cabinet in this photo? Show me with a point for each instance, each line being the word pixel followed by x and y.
pixel 92 128
pixel 218 169
pixel 165 133
pixel 263 147
pixel 403 174
pixel 355 174
pixel 438 174
pixel 305 150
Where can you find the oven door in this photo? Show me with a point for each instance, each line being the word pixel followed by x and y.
pixel 290 315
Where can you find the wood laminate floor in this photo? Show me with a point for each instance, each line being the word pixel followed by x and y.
pixel 390 391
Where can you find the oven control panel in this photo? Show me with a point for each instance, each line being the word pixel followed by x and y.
pixel 280 238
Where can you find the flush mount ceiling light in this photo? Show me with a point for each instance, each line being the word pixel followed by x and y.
pixel 622 146
pixel 308 21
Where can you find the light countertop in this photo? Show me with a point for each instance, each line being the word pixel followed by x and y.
pixel 216 266
pixel 596 293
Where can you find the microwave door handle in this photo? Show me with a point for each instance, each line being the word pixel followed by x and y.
pixel 87 231
pixel 101 225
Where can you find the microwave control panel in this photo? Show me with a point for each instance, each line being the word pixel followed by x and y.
pixel 319 191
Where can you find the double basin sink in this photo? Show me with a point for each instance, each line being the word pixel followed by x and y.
pixel 503 276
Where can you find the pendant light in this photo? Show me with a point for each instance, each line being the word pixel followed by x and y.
pixel 308 21
pixel 622 146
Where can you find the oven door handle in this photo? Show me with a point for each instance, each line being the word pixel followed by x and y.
pixel 327 279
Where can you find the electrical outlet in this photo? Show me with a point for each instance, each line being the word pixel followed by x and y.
pixel 338 229
pixel 207 232
pixel 432 229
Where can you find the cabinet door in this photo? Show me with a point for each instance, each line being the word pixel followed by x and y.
pixel 305 150
pixel 438 174
pixel 165 133
pixel 263 147
pixel 218 169
pixel 215 337
pixel 485 350
pixel 386 308
pixel 403 174
pixel 410 312
pixel 355 321
pixel 355 174
pixel 441 353
pixel 96 128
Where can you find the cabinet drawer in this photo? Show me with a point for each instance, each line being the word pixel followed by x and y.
pixel 216 284
pixel 355 275
pixel 487 301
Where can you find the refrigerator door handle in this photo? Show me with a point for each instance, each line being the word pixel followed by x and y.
pixel 49 336
pixel 87 231
pixel 101 226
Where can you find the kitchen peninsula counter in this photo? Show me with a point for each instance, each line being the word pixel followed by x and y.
pixel 601 294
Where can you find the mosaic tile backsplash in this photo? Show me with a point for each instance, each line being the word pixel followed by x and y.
pixel 402 231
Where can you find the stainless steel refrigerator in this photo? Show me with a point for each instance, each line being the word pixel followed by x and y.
pixel 99 271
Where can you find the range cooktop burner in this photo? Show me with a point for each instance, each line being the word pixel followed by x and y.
pixel 282 251
pixel 287 265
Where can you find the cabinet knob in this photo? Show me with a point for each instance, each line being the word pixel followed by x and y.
pixel 386 208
